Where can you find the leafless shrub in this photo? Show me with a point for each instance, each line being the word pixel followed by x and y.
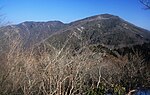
pixel 38 72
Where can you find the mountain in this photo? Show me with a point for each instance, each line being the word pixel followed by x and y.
pixel 107 31
pixel 29 33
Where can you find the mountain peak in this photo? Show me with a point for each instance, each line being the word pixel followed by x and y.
pixel 102 17
pixel 107 15
pixel 97 18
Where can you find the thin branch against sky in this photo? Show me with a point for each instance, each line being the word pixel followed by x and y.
pixel 146 3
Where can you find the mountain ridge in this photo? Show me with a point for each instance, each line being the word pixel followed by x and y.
pixel 112 27
pixel 105 29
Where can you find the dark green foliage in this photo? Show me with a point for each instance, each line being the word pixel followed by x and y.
pixel 104 90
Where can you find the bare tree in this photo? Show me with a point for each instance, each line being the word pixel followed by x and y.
pixel 146 3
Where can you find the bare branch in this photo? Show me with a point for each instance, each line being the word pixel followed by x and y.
pixel 146 3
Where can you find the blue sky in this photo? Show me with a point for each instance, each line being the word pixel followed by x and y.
pixel 17 11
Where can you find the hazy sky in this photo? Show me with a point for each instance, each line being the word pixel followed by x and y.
pixel 17 11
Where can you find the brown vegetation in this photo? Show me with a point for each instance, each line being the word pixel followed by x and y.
pixel 39 72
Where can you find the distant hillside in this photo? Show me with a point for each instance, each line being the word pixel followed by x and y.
pixel 105 30
pixel 29 33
